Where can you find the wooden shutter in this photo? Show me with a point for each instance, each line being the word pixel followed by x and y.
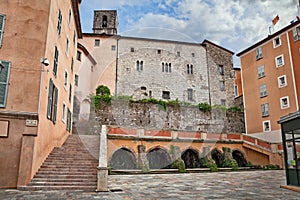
pixel 49 108
pixel 2 20
pixel 59 22
pixel 55 61
pixel 4 77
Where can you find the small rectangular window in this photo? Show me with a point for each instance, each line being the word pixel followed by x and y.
pixel 284 102
pixel 76 80
pixel 4 78
pixel 261 71
pixel 222 85
pixel 64 112
pixel 113 47
pixel 66 80
pixel 223 102
pixel 72 64
pixel 221 70
pixel 266 126
pixel 276 42
pixel 190 94
pixel 131 49
pixel 70 94
pixel 279 61
pixel 296 33
pixel 193 54
pixel 97 43
pixel 55 63
pixel 67 46
pixel 166 95
pixel 259 53
pixel 265 110
pixel 282 81
pixel 263 90
pixel 236 93
pixel 78 56
pixel 2 22
pixel 178 53
pixel 59 22
pixel 158 51
pixel 70 17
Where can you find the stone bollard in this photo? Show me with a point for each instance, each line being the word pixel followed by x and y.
pixel 102 169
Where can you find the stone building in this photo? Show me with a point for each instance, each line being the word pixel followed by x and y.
pixel 38 44
pixel 152 68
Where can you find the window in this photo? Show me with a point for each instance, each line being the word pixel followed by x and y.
pixel 97 43
pixel 223 102
pixel 193 54
pixel 221 69
pixel 159 51
pixel 52 102
pixel 55 63
pixel 284 102
pixel 261 71
pixel 59 22
pixel 63 112
pixel 4 78
pixel 78 55
pixel 170 68
pixel 70 94
pixel 74 38
pixel 222 85
pixel 258 53
pixel 190 94
pixel 69 18
pixel 131 49
pixel 76 80
pixel 279 61
pixel 236 93
pixel 139 65
pixel 266 126
pixel 263 90
pixel 69 121
pixel 178 53
pixel 162 67
pixel 66 80
pixel 72 64
pixel 166 67
pixel 2 21
pixel 296 33
pixel 189 69
pixel 166 95
pixel 265 110
pixel 113 47
pixel 282 81
pixel 143 88
pixel 276 42
pixel 67 46
pixel 104 21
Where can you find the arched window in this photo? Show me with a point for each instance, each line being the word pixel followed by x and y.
pixel 163 67
pixel 188 68
pixel 137 65
pixel 169 67
pixel 166 67
pixel 104 21
pixel 191 69
pixel 141 65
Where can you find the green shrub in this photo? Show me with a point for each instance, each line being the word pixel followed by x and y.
pixel 234 109
pixel 220 107
pixel 205 107
pixel 211 164
pixel 179 164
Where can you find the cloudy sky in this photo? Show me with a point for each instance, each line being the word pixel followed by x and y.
pixel 233 24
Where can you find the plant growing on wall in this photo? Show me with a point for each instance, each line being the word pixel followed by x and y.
pixel 205 107
pixel 102 96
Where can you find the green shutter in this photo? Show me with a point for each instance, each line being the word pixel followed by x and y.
pixel 69 121
pixel 55 104
pixel 72 65
pixel 49 108
pixel 4 77
pixel 2 20
pixel 59 22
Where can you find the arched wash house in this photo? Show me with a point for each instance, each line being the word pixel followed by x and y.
pixel 161 69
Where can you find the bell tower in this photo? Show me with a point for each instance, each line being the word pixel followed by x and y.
pixel 105 22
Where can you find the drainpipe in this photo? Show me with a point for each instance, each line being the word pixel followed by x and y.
pixel 117 59
pixel 208 74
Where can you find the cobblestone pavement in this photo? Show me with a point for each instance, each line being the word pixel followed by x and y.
pixel 220 185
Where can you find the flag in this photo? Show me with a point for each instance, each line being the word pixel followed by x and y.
pixel 276 19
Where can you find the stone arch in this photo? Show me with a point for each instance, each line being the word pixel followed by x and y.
pixel 84 112
pixel 123 158
pixel 158 158
pixel 239 157
pixel 191 158
pixel 217 156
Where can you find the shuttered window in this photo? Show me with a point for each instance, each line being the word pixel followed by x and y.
pixel 2 21
pixel 55 61
pixel 59 22
pixel 4 77
pixel 69 121
pixel 52 102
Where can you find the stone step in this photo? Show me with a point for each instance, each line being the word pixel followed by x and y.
pixel 71 179
pixel 64 176
pixel 62 187
pixel 63 183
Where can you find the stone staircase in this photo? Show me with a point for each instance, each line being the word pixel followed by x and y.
pixel 70 167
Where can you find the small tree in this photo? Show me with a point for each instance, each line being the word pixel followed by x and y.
pixel 102 90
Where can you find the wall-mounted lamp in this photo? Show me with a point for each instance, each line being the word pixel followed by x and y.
pixel 45 61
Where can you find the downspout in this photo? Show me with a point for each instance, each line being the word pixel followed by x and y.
pixel 208 75
pixel 117 59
